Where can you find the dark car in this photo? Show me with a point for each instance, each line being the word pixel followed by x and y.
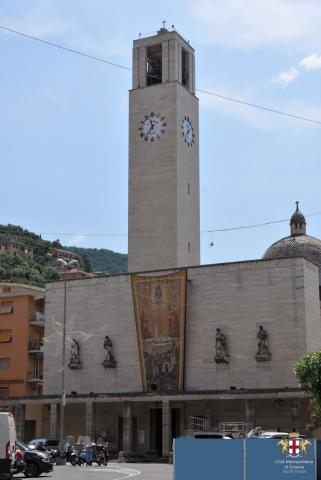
pixel 50 445
pixel 36 461
pixel 212 435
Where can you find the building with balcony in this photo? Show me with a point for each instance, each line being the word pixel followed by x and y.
pixel 16 248
pixel 22 324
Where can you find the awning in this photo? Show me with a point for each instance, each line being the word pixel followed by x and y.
pixel 5 336
pixel 6 307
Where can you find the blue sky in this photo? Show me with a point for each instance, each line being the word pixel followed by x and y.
pixel 64 118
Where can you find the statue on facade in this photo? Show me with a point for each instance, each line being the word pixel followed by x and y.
pixel 74 361
pixel 221 355
pixel 263 353
pixel 109 361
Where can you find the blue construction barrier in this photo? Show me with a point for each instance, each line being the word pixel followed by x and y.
pixel 251 459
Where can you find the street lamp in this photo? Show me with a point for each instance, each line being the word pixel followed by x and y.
pixel 65 265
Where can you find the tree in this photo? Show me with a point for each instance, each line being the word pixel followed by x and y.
pixel 308 370
pixel 86 263
pixel 56 244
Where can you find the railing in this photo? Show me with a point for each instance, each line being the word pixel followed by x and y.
pixel 235 427
pixel 196 424
pixel 35 346
pixel 38 319
pixel 34 377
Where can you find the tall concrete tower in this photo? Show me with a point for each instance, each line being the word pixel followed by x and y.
pixel 163 155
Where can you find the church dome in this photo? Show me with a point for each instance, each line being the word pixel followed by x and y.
pixel 298 244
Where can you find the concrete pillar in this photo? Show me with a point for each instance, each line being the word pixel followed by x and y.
pixel 142 59
pixel 165 62
pixel 167 428
pixel 128 427
pixel 53 420
pixel 147 428
pixel 20 416
pixel 89 420
pixel 250 413
pixel 208 410
pixel 135 68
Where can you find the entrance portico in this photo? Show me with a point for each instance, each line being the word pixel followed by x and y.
pixel 149 422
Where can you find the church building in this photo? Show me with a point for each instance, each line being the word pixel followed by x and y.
pixel 174 346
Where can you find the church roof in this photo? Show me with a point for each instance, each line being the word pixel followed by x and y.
pixel 298 244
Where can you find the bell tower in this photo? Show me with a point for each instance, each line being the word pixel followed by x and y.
pixel 163 212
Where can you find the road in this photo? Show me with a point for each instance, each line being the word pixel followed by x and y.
pixel 114 471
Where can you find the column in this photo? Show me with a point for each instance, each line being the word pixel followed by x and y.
pixel 89 419
pixel 165 62
pixel 20 414
pixel 249 413
pixel 53 420
pixel 208 415
pixel 128 427
pixel 167 428
pixel 142 60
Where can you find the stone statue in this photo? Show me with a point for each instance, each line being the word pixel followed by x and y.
pixel 220 347
pixel 158 296
pixel 263 353
pixel 109 361
pixel 74 361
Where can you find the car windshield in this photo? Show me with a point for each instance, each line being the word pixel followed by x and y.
pixel 52 443
pixel 22 446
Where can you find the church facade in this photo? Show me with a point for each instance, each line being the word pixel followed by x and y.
pixel 227 358
pixel 173 346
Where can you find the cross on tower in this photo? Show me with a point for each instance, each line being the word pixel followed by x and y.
pixel 164 23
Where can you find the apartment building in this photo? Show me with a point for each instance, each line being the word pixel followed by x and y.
pixel 16 248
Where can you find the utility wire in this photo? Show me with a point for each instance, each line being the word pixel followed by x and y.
pixel 217 230
pixel 103 60
pixel 253 105
pixel 71 50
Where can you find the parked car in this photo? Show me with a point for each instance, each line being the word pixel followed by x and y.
pixel 36 461
pixel 7 444
pixel 19 464
pixel 272 435
pixel 51 445
pixel 212 435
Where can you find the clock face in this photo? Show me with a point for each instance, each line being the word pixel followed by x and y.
pixel 152 127
pixel 188 131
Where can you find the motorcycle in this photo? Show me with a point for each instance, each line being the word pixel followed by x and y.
pixel 100 455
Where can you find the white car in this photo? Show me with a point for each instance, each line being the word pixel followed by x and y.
pixel 7 443
pixel 273 435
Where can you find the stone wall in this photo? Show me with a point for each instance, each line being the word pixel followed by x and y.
pixel 280 295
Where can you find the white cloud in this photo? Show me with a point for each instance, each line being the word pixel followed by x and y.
pixel 311 62
pixel 251 24
pixel 287 77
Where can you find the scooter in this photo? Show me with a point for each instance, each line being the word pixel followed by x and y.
pixel 84 456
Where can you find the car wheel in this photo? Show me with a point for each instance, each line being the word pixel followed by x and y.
pixel 32 470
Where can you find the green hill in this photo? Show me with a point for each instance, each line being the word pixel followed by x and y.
pixel 103 260
pixel 43 268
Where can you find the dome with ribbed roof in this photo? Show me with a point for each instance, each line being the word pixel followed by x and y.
pixel 298 244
